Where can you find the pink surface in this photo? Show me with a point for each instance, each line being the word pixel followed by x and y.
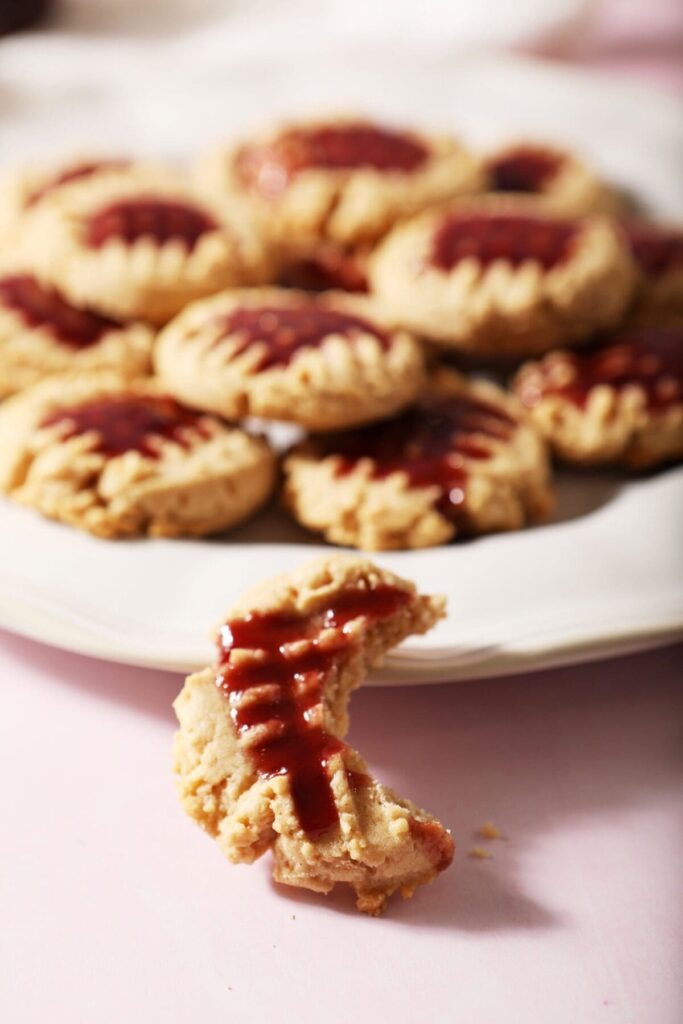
pixel 116 908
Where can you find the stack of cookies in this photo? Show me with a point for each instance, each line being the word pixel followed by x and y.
pixel 352 279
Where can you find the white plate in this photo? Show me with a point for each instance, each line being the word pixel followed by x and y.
pixel 606 576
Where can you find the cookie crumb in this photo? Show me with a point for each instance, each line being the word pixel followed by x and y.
pixel 479 853
pixel 490 831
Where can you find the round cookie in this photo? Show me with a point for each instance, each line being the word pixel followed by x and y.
pixel 657 250
pixel 139 244
pixel 497 277
pixel 324 362
pixel 621 403
pixel 41 334
pixel 555 177
pixel 119 458
pixel 462 461
pixel 344 180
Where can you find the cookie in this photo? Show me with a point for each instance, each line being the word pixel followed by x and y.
pixel 41 334
pixel 497 277
pixel 555 177
pixel 327 267
pixel 260 756
pixel 119 458
pixel 620 403
pixel 323 362
pixel 462 461
pixel 657 250
pixel 139 245
pixel 342 180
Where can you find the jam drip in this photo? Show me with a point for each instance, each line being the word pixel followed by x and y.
pixel 284 330
pixel 127 423
pixel 525 169
pixel 163 220
pixel 500 237
pixel 79 172
pixel 655 251
pixel 40 306
pixel 430 443
pixel 648 357
pixel 271 168
pixel 280 693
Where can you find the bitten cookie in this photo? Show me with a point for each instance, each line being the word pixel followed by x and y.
pixel 139 245
pixel 118 458
pixel 41 334
pixel 657 250
pixel 496 277
pixel 462 461
pixel 345 181
pixel 621 403
pixel 260 756
pixel 323 362
pixel 557 178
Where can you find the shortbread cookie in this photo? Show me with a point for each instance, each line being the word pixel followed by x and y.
pixel 462 461
pixel 120 458
pixel 321 361
pixel 139 245
pixel 497 277
pixel 658 254
pixel 344 180
pixel 260 755
pixel 620 403
pixel 42 334
pixel 556 177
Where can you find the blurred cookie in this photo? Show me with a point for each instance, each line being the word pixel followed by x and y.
pixel 324 362
pixel 118 458
pixel 260 756
pixel 621 403
pixel 562 182
pixel 327 267
pixel 41 334
pixel 657 250
pixel 462 461
pixel 341 180
pixel 138 244
pixel 496 277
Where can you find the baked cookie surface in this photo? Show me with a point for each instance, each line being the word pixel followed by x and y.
pixel 119 458
pixel 139 244
pixel 260 756
pixel 323 362
pixel 462 461
pixel 345 180
pixel 621 403
pixel 497 277
pixel 41 334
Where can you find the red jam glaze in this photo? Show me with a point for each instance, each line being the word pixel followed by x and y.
pixel 284 330
pixel 40 306
pixel 127 423
pixel 329 268
pixel 524 169
pixel 436 839
pixel 270 168
pixel 163 220
pixel 299 746
pixel 649 357
pixel 655 250
pixel 78 172
pixel 430 443
pixel 501 237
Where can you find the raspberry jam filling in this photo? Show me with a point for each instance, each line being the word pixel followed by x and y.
pixel 129 423
pixel 648 357
pixel 163 220
pixel 276 699
pixel 655 251
pixel 492 237
pixel 40 306
pixel 270 168
pixel 283 331
pixel 79 172
pixel 525 169
pixel 429 443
